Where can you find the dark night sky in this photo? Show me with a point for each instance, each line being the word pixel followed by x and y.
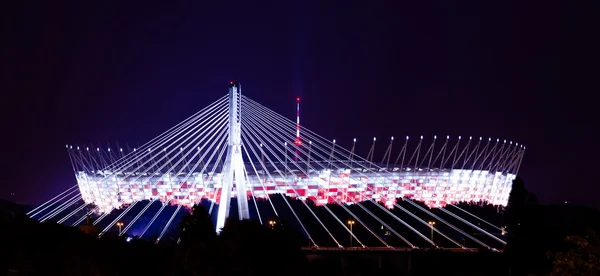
pixel 92 71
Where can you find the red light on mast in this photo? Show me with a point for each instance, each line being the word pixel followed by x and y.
pixel 297 142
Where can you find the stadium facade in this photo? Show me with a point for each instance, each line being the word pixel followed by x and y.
pixel 191 162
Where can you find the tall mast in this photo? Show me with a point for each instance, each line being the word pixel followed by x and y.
pixel 233 168
pixel 298 142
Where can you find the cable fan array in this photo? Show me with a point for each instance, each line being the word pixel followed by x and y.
pixel 184 166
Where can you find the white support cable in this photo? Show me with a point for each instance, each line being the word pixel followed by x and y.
pixel 51 200
pixel 258 129
pixel 84 164
pixel 175 129
pixel 427 224
pixel 275 115
pixel 418 151
pixel 100 218
pixel 221 114
pixel 371 152
pixel 520 161
pixel 401 221
pixel 283 196
pixel 61 221
pixel 447 223
pixel 214 120
pixel 385 224
pixel 441 152
pixel 388 154
pixel 196 146
pixel 506 168
pixel 168 224
pixel 446 211
pixel 201 158
pixel 495 185
pixel 72 213
pixel 111 155
pixel 214 168
pixel 508 154
pixel 69 150
pixel 88 165
pixel 73 165
pixel 429 153
pixel 474 226
pixel 495 154
pixel 485 157
pixel 103 193
pixel 213 200
pixel 499 167
pixel 120 216
pixel 222 141
pixel 496 166
pixel 402 153
pixel 221 132
pixel 463 151
pixel 414 153
pixel 153 219
pixel 140 213
pixel 478 218
pixel 76 162
pixel 483 152
pixel 468 156
pixel 253 197
pixel 144 153
pixel 93 162
pixel 254 129
pixel 58 200
pixel 428 169
pixel 512 164
pixel 454 151
pixel 244 134
pixel 61 208
pixel 511 159
pixel 275 123
pixel 307 173
pixel 172 167
pixel 259 179
pixel 84 217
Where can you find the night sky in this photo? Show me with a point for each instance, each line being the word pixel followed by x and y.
pixel 94 71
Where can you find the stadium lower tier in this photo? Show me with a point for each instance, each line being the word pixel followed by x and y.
pixel 434 188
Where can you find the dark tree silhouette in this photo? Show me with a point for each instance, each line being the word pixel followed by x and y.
pixel 249 248
pixel 197 228
pixel 582 258
pixel 198 249
pixel 524 224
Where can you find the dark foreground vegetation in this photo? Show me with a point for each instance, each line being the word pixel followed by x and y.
pixel 542 240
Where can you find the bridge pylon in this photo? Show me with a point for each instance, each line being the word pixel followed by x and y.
pixel 233 168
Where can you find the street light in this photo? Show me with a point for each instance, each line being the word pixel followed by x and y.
pixel 351 222
pixel 431 224
pixel 272 224
pixel 119 224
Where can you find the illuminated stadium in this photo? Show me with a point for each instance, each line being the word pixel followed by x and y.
pixel 237 148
